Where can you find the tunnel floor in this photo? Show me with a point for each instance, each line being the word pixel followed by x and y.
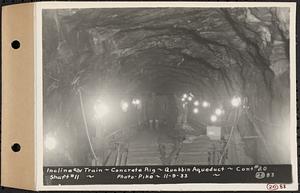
pixel 186 147
pixel 145 149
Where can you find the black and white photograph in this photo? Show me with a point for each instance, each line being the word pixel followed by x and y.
pixel 166 86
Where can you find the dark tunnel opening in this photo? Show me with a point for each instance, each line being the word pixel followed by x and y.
pixel 183 80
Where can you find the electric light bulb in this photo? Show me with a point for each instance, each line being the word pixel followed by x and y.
pixel 50 142
pixel 195 110
pixel 124 106
pixel 236 101
pixel 205 104
pixel 219 111
pixel 213 118
pixel 137 102
pixel 101 109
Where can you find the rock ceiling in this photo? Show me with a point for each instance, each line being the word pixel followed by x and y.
pixel 206 50
pixel 214 53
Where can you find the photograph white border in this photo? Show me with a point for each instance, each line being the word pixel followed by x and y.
pixel 158 187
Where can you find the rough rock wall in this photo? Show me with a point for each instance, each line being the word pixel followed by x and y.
pixel 216 53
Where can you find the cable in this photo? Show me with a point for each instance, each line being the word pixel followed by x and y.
pixel 85 124
pixel 230 136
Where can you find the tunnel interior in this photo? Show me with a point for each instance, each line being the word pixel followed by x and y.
pixel 162 54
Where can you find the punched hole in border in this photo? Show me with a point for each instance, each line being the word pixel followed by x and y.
pixel 15 44
pixel 16 147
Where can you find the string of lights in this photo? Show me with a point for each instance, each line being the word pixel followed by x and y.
pixel 188 98
pixel 189 102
